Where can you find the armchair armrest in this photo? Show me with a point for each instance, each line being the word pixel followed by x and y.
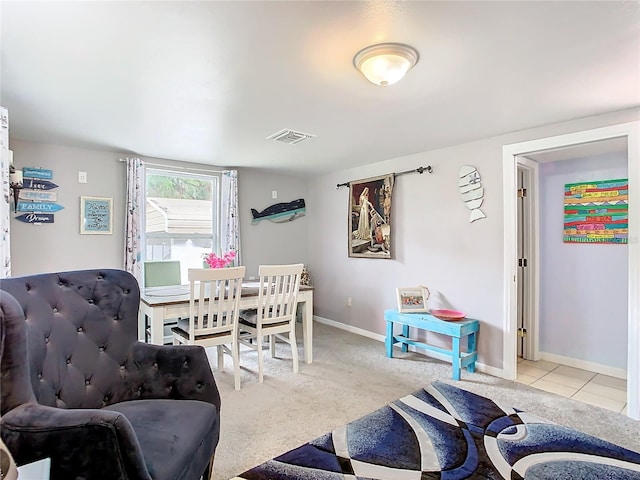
pixel 82 443
pixel 179 372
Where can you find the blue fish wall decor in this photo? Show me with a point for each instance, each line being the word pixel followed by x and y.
pixel 280 212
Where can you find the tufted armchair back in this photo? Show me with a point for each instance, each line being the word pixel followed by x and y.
pixel 77 387
pixel 80 327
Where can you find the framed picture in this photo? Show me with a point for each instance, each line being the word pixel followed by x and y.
pixel 413 299
pixel 370 217
pixel 96 215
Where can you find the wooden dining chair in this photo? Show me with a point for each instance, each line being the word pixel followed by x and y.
pixel 213 313
pixel 275 316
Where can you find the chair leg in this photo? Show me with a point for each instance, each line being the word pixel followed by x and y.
pixel 272 346
pixel 260 369
pixel 235 354
pixel 294 346
pixel 220 358
pixel 208 472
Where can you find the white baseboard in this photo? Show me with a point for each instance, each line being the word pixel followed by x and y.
pixel 481 367
pixel 584 365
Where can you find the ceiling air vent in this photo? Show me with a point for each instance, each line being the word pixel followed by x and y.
pixel 289 136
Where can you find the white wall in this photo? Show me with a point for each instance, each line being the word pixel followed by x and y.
pixel 433 242
pixel 59 246
pixel 583 287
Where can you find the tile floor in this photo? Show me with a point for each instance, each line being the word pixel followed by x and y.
pixel 589 387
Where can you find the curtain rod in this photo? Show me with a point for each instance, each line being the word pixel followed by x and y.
pixel 415 170
pixel 178 167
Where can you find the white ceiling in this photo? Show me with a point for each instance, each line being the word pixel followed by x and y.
pixel 208 81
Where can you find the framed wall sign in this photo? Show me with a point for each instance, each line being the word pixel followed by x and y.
pixel 96 215
pixel 413 299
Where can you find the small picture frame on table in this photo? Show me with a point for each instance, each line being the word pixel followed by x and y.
pixel 96 215
pixel 412 299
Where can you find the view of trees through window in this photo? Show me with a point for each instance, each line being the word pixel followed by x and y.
pixel 181 213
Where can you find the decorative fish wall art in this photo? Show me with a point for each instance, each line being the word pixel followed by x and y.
pixel 471 191
pixel 280 212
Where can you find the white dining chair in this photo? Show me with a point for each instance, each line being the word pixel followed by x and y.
pixel 275 316
pixel 213 313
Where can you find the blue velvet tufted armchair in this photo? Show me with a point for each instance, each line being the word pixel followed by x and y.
pixel 77 386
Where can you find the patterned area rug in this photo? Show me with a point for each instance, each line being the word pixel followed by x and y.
pixel 443 432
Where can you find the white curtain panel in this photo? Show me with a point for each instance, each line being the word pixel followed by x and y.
pixel 230 235
pixel 133 223
pixel 5 215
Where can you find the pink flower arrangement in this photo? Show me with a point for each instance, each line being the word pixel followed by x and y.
pixel 214 261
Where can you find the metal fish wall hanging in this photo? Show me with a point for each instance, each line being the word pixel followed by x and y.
pixel 280 212
pixel 471 191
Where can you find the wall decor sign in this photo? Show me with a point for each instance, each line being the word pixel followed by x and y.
pixel 36 218
pixel 37 184
pixel 41 173
pixel 370 217
pixel 38 207
pixel 42 195
pixel 471 191
pixel 596 212
pixel 96 215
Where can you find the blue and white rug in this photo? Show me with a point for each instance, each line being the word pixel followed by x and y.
pixel 443 432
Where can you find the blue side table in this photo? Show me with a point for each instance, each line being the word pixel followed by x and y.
pixel 467 327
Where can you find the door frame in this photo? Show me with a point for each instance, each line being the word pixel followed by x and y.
pixel 532 253
pixel 631 131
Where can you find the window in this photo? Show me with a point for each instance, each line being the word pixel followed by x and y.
pixel 181 217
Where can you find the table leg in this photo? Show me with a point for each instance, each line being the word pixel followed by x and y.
pixel 405 334
pixel 388 341
pixel 455 357
pixel 142 321
pixel 156 324
pixel 307 331
pixel 472 347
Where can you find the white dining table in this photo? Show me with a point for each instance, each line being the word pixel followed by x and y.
pixel 160 303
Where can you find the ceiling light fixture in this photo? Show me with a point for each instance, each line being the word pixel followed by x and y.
pixel 385 63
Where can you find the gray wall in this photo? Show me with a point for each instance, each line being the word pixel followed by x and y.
pixel 433 242
pixel 269 242
pixel 59 246
pixel 583 287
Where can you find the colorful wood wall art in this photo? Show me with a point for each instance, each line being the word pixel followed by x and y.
pixel 596 212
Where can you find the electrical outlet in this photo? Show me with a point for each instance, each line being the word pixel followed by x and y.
pixel 349 301
pixel 82 177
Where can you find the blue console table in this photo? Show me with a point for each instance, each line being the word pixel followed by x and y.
pixel 424 321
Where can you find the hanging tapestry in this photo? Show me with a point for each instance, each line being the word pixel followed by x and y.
pixel 596 212
pixel 370 217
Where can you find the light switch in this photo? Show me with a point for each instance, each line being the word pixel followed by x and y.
pixel 82 177
pixel 274 194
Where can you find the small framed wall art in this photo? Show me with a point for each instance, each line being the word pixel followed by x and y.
pixel 412 299
pixel 96 215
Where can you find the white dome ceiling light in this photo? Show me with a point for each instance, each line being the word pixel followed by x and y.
pixel 385 63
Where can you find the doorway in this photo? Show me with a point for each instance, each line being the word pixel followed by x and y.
pixel 631 132
pixel 579 355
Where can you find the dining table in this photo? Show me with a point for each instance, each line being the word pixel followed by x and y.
pixel 158 304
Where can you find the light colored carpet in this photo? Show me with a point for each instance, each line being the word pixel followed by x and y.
pixel 350 377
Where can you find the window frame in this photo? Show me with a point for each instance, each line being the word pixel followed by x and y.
pixel 201 174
